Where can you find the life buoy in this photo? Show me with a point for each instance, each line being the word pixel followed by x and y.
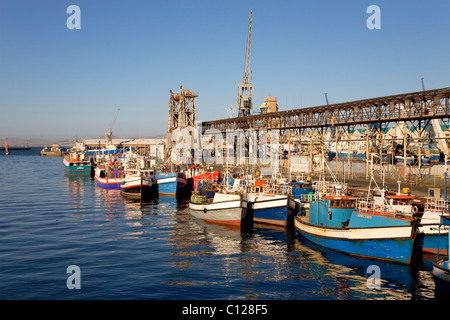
pixel 415 209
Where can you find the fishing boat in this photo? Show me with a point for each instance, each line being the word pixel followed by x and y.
pixel 441 265
pixel 171 183
pixel 208 177
pixel 298 190
pixel 432 235
pixel 109 175
pixel 400 159
pixel 138 184
pixel 353 155
pixel 109 151
pixel 139 181
pixel 54 151
pixel 369 228
pixel 224 208
pixel 75 163
pixel 268 203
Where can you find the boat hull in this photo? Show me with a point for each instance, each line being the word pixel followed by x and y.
pixel 431 241
pixel 441 272
pixel 74 168
pixel 393 244
pixel 137 188
pixel 111 180
pixel 112 183
pixel 269 209
pixel 432 236
pixel 171 183
pixel 231 216
pixel 224 209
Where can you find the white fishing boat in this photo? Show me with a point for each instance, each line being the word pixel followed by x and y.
pixel 138 184
pixel 139 181
pixel 228 206
pixel 224 208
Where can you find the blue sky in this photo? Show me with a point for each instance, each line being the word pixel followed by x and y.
pixel 58 83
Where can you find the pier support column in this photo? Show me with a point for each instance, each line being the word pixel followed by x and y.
pixel 405 160
pixel 367 152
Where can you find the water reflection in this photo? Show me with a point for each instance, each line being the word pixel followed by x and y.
pixel 275 255
pixel 253 262
pixel 398 282
pixel 75 189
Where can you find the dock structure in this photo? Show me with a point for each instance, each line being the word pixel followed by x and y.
pixel 412 119
pixel 415 106
pixel 182 115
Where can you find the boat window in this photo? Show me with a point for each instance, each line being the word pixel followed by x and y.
pixel 342 203
pixel 402 202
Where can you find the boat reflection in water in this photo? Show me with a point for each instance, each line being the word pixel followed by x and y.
pixel 273 259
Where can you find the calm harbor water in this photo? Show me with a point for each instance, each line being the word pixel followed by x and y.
pixel 157 250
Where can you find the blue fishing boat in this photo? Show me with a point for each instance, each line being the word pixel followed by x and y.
pixel 354 156
pixel 268 203
pixel 171 183
pixel 400 159
pixel 359 227
pixel 76 164
pixel 298 191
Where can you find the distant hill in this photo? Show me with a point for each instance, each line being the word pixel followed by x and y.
pixel 67 142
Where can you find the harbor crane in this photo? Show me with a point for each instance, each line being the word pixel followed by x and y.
pixel 108 134
pixel 245 89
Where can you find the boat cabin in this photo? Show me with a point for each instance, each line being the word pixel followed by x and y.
pixel 332 211
pixel 300 188
pixel 401 203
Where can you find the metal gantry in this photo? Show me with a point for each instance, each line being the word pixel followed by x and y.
pixel 423 105
pixel 316 126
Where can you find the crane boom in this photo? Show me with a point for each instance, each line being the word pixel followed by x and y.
pixel 245 89
pixel 248 51
pixel 115 118
pixel 108 134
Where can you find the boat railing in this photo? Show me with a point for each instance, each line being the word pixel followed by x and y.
pixel 436 204
pixel 328 188
pixel 309 197
pixel 141 172
pixel 363 204
pixel 370 205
